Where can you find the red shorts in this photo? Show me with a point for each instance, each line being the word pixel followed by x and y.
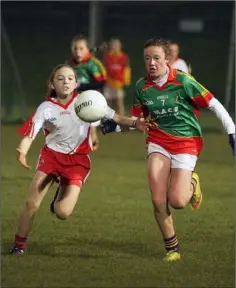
pixel 73 169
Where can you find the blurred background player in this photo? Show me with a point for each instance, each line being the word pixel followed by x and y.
pixel 101 51
pixel 118 75
pixel 65 153
pixel 175 61
pixel 90 71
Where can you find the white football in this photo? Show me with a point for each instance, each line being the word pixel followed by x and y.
pixel 90 106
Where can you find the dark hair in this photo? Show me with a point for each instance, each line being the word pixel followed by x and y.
pixel 80 37
pixel 51 92
pixel 165 44
pixel 174 43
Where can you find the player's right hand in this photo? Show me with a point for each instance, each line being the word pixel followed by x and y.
pixel 22 159
pixel 141 124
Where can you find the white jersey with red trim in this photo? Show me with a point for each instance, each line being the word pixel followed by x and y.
pixel 180 64
pixel 64 131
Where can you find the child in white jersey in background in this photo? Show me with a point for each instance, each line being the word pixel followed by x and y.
pixel 174 60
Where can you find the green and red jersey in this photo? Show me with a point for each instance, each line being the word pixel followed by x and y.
pixel 90 72
pixel 173 110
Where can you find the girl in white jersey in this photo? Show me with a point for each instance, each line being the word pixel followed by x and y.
pixel 175 61
pixel 65 153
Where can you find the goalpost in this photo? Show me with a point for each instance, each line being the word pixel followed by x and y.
pixel 15 69
pixel 94 23
pixel 230 72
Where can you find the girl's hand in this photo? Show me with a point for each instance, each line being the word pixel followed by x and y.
pixel 141 124
pixel 21 157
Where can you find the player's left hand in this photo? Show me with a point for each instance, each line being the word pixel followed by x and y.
pixel 22 159
pixel 232 142
pixel 108 126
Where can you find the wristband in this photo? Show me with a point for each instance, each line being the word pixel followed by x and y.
pixel 134 124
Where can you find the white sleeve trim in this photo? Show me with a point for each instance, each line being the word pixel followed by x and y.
pixel 110 113
pixel 96 124
pixel 221 113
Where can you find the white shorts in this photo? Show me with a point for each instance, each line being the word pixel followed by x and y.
pixel 113 94
pixel 183 161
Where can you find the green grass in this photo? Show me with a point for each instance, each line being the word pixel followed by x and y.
pixel 112 239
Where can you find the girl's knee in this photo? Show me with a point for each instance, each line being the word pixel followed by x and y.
pixel 62 215
pixel 177 200
pixel 61 212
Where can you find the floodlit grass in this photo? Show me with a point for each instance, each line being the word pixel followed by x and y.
pixel 112 239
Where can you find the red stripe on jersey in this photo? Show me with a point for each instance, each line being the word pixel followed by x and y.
pixel 196 112
pixel 174 144
pixel 65 106
pixel 202 101
pixel 25 129
pixel 84 147
pixel 147 86
pixel 176 82
pixel 138 110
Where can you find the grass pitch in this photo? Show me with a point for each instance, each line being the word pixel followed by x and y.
pixel 112 239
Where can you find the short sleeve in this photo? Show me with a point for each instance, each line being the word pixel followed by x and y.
pixel 98 71
pixel 34 123
pixel 137 108
pixel 110 113
pixel 96 124
pixel 197 93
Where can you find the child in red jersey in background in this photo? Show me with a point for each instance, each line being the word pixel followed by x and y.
pixel 118 75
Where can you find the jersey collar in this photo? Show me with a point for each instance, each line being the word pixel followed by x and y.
pixel 65 106
pixel 171 78
pixel 73 61
pixel 86 58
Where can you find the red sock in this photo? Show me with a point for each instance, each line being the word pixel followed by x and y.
pixel 20 242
